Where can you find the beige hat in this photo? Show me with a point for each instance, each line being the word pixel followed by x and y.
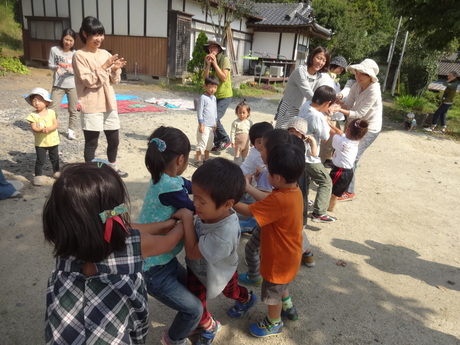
pixel 368 67
pixel 41 92
pixel 213 41
pixel 299 124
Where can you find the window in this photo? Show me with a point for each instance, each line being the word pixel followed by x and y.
pixel 47 28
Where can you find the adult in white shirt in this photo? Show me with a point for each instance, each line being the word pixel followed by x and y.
pixel 364 102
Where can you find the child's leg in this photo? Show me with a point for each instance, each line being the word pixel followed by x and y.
pixel 53 153
pixel 206 155
pixel 199 290
pixel 332 203
pixel 252 255
pixel 245 299
pixel 198 156
pixel 41 157
pixel 91 139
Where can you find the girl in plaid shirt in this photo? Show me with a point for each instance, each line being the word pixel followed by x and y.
pixel 97 293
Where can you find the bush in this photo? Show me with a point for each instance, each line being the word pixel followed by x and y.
pixel 196 64
pixel 11 64
pixel 410 103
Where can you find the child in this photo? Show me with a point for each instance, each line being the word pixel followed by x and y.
pixel 207 120
pixel 44 124
pixel 254 160
pixel 409 122
pixel 280 216
pixel 313 112
pixel 166 159
pixel 60 61
pixel 211 246
pixel 239 135
pixel 346 149
pixel 97 292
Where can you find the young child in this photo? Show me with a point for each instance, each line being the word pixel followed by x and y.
pixel 211 245
pixel 410 122
pixel 97 292
pixel 313 112
pixel 207 120
pixel 346 150
pixel 44 124
pixel 280 216
pixel 166 159
pixel 239 135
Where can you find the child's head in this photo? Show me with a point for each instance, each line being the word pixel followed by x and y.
pixel 286 160
pixel 338 65
pixel 298 127
pixel 357 129
pixel 410 116
pixel 68 39
pixel 210 84
pixel 271 139
pixel 71 216
pixel 39 98
pixel 217 185
pixel 324 94
pixel 257 131
pixel 90 26
pixel 166 146
pixel 243 110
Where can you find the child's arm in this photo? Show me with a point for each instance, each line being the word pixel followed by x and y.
pixel 255 193
pixel 192 251
pixel 313 146
pixel 152 245
pixel 243 209
pixel 54 126
pixel 157 228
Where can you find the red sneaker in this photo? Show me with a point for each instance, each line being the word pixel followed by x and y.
pixel 346 196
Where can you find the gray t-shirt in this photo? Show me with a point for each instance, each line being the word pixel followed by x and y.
pixel 218 243
pixel 207 110
pixel 59 59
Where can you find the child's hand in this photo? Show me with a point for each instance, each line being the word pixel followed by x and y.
pixel 233 145
pixel 201 129
pixel 183 214
pixel 214 129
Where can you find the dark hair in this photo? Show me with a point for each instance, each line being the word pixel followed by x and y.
pixel 176 143
pixel 315 52
pixel 286 160
pixel 211 79
pixel 222 179
pixel 243 104
pixel 454 73
pixel 68 32
pixel 324 94
pixel 71 220
pixel 91 26
pixel 358 129
pixel 276 137
pixel 258 130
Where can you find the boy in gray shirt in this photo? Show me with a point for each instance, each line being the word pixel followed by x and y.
pixel 211 245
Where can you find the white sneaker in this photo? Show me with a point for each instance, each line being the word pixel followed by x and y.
pixel 71 134
pixel 38 181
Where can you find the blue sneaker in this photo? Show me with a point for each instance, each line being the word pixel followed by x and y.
pixel 240 309
pixel 207 336
pixel 290 313
pixel 244 279
pixel 265 328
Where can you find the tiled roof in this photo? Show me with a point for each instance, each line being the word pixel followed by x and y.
pixel 447 66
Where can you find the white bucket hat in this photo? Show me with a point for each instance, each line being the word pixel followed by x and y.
pixel 39 91
pixel 368 67
pixel 299 124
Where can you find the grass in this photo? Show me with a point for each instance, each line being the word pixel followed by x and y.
pixel 10 34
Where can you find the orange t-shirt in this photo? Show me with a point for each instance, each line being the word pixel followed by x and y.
pixel 280 216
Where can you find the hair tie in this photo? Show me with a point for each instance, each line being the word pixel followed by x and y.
pixel 160 144
pixel 357 123
pixel 108 216
pixel 100 162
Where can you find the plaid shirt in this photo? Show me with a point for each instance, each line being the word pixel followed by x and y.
pixel 107 308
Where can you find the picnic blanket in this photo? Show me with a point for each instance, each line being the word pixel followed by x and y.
pixel 117 97
pixel 126 106
pixel 173 104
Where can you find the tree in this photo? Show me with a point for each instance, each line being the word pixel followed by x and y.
pixel 223 12
pixel 437 21
pixel 196 64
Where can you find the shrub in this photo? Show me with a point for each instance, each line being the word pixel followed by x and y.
pixel 11 64
pixel 410 103
pixel 196 64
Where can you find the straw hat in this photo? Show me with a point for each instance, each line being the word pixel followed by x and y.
pixel 368 67
pixel 213 41
pixel 41 92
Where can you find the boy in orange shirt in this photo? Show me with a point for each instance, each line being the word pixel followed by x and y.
pixel 280 215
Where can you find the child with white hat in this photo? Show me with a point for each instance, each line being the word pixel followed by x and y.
pixel 409 122
pixel 44 124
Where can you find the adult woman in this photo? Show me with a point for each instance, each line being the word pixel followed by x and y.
pixel 218 64
pixel 60 60
pixel 302 83
pixel 364 102
pixel 95 72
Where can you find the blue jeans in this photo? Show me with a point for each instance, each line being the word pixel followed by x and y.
pixel 221 135
pixel 441 113
pixel 364 143
pixel 167 284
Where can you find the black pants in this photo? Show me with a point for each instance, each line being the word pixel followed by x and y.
pixel 91 140
pixel 53 152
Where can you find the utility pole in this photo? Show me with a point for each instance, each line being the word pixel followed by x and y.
pixel 395 80
pixel 390 54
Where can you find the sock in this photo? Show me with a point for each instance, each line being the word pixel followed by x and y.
pixel 211 327
pixel 287 303
pixel 307 253
pixel 274 321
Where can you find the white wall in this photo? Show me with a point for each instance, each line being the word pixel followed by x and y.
pixel 288 45
pixel 26 11
pixel 105 15
pixel 136 18
pixel 265 42
pixel 157 18
pixel 77 15
pixel 120 14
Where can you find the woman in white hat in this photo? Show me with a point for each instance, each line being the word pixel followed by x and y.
pixel 364 102
pixel 216 63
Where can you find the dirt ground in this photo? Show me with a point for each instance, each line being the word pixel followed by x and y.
pixel 399 238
